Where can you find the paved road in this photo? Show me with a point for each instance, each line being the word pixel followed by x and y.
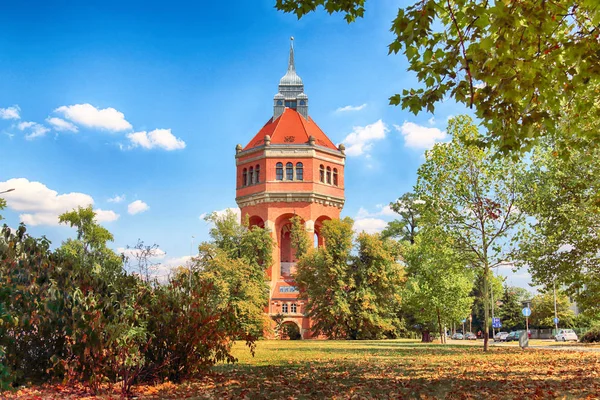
pixel 544 345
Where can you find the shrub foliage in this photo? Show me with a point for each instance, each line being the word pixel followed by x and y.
pixel 75 314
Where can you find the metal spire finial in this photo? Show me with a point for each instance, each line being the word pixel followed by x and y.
pixel 291 65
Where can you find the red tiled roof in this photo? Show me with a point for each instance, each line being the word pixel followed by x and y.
pixel 291 128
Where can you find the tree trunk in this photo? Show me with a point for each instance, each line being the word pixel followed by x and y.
pixel 425 337
pixel 486 306
pixel 441 328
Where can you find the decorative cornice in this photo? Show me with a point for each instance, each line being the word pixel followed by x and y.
pixel 289 197
pixel 303 151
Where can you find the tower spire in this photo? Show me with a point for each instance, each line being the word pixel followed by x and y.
pixel 291 65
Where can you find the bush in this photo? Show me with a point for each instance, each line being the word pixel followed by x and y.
pixel 591 336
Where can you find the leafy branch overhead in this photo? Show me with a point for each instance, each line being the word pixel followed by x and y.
pixel 521 65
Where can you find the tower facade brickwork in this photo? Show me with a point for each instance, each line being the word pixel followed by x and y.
pixel 289 168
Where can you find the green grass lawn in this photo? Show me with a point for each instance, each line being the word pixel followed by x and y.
pixel 387 369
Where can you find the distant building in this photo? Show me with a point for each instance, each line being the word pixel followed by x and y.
pixel 289 168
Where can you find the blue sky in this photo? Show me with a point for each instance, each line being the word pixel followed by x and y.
pixel 144 102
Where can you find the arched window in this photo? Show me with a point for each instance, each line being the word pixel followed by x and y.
pixel 294 308
pixel 284 308
pixel 279 171
pixel 251 176
pixel 329 175
pixel 289 171
pixel 335 177
pixel 299 171
pixel 322 173
pixel 257 174
pixel 244 177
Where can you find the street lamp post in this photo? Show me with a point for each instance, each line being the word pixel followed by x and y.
pixel 555 311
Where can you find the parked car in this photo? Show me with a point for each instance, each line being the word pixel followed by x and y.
pixel 500 337
pixel 470 336
pixel 458 336
pixel 514 335
pixel 566 334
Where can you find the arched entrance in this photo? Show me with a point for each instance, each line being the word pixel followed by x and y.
pixel 290 331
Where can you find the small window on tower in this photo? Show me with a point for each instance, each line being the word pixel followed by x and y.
pixel 302 102
pixel 257 174
pixel 279 102
pixel 289 171
pixel 322 173
pixel 244 177
pixel 251 176
pixel 284 308
pixel 329 175
pixel 279 171
pixel 335 176
pixel 294 309
pixel 299 171
pixel 290 104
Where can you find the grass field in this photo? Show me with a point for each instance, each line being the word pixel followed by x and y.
pixel 388 369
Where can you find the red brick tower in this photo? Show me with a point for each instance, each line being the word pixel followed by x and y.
pixel 289 168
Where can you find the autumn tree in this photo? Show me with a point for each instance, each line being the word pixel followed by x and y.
pixel 350 296
pixel 519 65
pixel 560 244
pixel 542 310
pixel 472 196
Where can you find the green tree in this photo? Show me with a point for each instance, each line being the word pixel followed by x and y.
pixel 438 287
pixel 408 206
pixel 238 258
pixel 495 288
pixel 350 296
pixel 542 310
pixel 472 196
pixel 520 65
pixel 510 308
pixel 560 244
pixel 2 206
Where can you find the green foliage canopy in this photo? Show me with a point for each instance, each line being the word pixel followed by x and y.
pixel 350 296
pixel 522 65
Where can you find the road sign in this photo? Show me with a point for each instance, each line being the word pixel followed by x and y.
pixel 556 320
pixel 526 312
pixel 496 323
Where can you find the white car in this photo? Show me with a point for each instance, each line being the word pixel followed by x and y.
pixel 500 337
pixel 566 334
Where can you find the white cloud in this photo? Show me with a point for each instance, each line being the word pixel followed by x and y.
pixel 106 215
pixel 116 199
pixel 383 211
pixel 10 113
pixel 351 108
pixel 136 207
pixel 61 125
pixel 41 205
pixel 91 117
pixel 369 225
pixel 163 270
pixel 154 254
pixel 431 121
pixel 420 137
pixel 32 129
pixel 221 213
pixel 158 138
pixel 360 140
